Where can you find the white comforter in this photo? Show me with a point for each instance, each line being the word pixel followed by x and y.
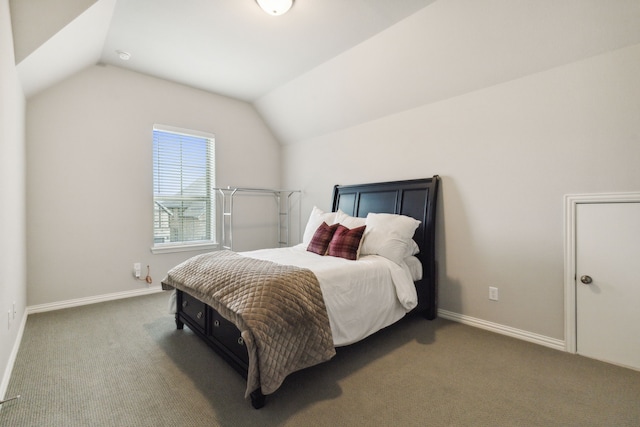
pixel 361 296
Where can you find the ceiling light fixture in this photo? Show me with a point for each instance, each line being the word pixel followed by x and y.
pixel 275 7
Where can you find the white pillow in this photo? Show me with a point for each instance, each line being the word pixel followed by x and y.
pixel 349 221
pixel 413 249
pixel 389 235
pixel 317 217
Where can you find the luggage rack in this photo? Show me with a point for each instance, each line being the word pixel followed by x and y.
pixel 284 200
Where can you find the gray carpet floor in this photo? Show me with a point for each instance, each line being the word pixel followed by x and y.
pixel 123 363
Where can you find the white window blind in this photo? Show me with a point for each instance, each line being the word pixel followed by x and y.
pixel 183 182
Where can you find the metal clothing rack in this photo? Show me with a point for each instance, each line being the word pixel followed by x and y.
pixel 284 211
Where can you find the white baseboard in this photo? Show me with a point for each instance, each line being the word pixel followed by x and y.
pixel 4 385
pixel 504 330
pixel 91 300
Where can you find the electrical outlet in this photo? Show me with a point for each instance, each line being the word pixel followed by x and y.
pixel 493 293
pixel 136 270
pixel 9 319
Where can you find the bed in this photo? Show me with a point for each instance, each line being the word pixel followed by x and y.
pixel 360 268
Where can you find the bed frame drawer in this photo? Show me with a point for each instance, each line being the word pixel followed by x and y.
pixel 220 334
pixel 193 310
pixel 227 334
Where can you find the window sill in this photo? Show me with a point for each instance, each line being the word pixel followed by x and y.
pixel 187 247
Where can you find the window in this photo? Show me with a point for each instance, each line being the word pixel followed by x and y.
pixel 183 182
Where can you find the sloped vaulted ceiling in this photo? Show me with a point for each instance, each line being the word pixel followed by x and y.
pixel 326 65
pixel 448 49
pixel 69 42
pixel 35 22
pixel 230 47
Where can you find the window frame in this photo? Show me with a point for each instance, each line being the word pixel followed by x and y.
pixel 210 197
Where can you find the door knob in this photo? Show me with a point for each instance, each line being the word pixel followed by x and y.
pixel 586 280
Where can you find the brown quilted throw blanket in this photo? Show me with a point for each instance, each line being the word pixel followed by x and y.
pixel 278 309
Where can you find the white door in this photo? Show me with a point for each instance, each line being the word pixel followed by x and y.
pixel 608 282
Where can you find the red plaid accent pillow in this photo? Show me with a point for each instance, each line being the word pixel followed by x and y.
pixel 345 242
pixel 320 241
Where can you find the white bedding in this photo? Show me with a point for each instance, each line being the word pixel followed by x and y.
pixel 415 267
pixel 361 296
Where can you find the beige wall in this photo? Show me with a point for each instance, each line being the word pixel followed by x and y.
pixel 90 176
pixel 13 270
pixel 507 155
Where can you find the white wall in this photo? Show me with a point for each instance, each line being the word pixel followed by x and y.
pixel 13 273
pixel 507 155
pixel 90 176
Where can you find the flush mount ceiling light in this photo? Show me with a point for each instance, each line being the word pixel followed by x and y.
pixel 275 7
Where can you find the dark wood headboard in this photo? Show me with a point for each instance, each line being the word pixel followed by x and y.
pixel 416 198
